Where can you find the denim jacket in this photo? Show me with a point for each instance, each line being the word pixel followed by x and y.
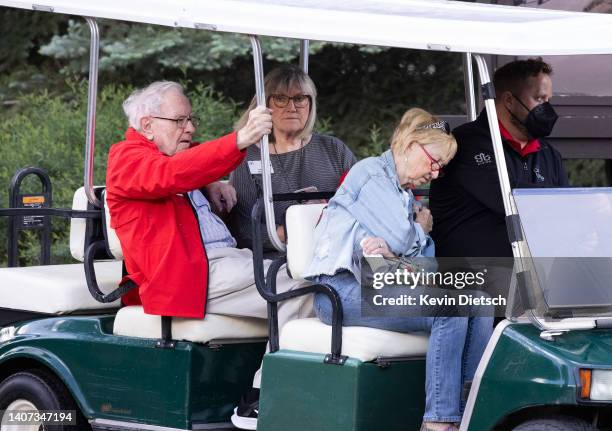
pixel 370 202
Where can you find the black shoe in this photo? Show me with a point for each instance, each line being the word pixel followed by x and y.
pixel 245 415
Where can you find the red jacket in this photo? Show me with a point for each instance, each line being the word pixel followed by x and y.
pixel 158 229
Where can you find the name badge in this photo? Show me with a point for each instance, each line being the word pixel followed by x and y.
pixel 255 167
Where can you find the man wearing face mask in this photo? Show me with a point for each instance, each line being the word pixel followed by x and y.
pixel 466 203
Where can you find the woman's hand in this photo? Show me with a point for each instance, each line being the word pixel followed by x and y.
pixel 311 189
pixel 424 218
pixel 258 124
pixel 376 245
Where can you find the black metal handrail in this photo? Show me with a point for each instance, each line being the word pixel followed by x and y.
pixel 41 224
pixel 90 275
pixel 302 196
pixel 55 212
pixel 266 286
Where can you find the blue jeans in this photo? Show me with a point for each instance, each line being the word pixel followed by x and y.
pixel 456 344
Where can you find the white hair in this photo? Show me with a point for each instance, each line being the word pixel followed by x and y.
pixel 147 101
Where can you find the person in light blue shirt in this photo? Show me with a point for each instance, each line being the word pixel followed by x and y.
pixel 215 233
pixel 374 212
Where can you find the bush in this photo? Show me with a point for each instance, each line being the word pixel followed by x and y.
pixel 49 132
pixel 587 173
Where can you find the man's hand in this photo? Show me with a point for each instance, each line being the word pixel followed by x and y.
pixel 280 231
pixel 222 196
pixel 258 124
pixel 424 218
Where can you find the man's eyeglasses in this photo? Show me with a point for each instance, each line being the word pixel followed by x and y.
pixel 435 164
pixel 299 100
pixel 181 122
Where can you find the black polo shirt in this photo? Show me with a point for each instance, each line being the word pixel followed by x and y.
pixel 466 203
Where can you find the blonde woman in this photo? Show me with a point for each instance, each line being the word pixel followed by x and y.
pixel 373 213
pixel 300 158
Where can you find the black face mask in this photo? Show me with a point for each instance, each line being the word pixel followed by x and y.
pixel 540 120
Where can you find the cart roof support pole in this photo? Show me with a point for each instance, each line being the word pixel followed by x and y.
pixel 304 55
pixel 500 160
pixel 498 150
pixel 520 265
pixel 265 151
pixel 92 94
pixel 468 80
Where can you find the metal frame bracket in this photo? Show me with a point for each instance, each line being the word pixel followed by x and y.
pixel 165 344
pixel 488 91
pixel 513 225
pixel 549 335
pixel 335 360
pixel 166 341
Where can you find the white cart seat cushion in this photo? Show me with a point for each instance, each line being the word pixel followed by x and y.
pixel 133 322
pixel 56 289
pixel 78 226
pixel 301 221
pixel 365 344
pixel 78 229
pixel 114 246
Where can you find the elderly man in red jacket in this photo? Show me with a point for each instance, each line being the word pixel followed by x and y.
pixel 178 252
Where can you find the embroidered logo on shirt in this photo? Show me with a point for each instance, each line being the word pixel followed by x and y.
pixel 538 175
pixel 482 159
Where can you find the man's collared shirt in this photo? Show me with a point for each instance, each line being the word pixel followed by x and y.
pixel 467 203
pixel 533 145
pixel 215 233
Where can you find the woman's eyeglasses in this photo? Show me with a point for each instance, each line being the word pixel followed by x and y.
pixel 181 122
pixel 435 164
pixel 299 100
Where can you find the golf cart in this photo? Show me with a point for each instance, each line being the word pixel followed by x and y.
pixel 67 346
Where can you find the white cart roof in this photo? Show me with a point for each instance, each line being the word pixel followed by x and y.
pixel 420 24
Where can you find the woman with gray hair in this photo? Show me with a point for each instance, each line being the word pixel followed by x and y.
pixel 301 159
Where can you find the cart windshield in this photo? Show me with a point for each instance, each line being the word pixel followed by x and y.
pixel 567 252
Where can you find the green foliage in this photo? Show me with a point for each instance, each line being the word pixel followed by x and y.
pixel 587 173
pixel 358 86
pixel 151 49
pixel 358 89
pixel 49 132
pixel 24 79
pixel 378 143
pixel 22 68
pixel 20 32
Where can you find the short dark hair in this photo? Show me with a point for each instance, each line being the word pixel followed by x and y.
pixel 513 76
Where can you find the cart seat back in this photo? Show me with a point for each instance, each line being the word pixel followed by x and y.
pixel 113 246
pixel 83 232
pixel 301 221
